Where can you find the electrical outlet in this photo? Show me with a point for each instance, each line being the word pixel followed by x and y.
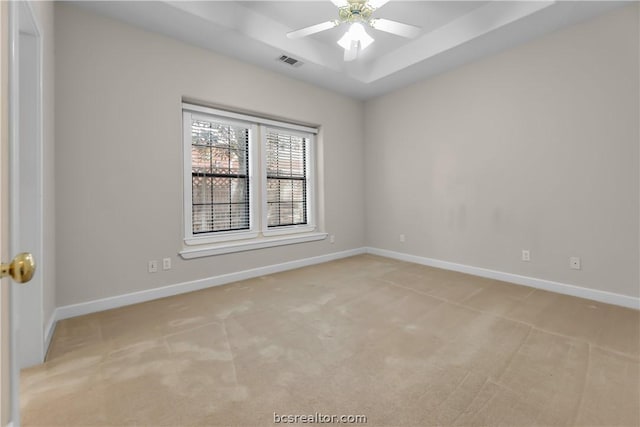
pixel 166 263
pixel 153 266
pixel 332 239
pixel 402 238
pixel 574 263
pixel 526 255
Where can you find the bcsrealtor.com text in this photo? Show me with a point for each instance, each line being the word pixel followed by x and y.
pixel 318 418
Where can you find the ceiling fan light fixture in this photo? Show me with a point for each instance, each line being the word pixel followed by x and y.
pixel 358 34
pixel 345 41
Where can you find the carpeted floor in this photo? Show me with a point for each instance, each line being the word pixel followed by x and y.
pixel 400 343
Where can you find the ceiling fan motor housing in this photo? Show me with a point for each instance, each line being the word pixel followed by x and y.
pixel 356 11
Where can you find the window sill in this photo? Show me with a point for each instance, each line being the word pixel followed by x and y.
pixel 220 239
pixel 265 242
pixel 279 231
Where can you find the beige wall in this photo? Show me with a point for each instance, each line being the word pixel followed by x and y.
pixel 535 148
pixel 119 154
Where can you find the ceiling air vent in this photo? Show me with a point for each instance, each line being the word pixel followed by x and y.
pixel 290 61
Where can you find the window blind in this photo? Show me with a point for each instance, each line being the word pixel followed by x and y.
pixel 219 173
pixel 286 165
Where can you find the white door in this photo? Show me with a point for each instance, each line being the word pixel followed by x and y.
pixel 25 193
pixel 21 201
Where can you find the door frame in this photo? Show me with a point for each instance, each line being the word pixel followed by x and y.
pixel 5 297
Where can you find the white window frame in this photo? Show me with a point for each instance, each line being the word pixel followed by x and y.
pixel 259 234
pixel 310 180
pixel 223 236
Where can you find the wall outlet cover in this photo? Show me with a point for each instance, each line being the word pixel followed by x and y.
pixel 575 263
pixel 153 266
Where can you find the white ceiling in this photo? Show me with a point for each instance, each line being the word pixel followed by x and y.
pixel 453 33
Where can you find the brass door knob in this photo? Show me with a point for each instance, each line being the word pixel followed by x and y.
pixel 21 269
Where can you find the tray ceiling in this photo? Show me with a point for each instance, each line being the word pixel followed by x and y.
pixel 453 33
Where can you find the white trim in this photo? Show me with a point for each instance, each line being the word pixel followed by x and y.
pixel 267 242
pixel 258 235
pixel 310 157
pixel 252 174
pixel 50 329
pixel 94 306
pixel 88 307
pixel 289 230
pixel 229 236
pixel 246 117
pixel 187 180
pixel 547 285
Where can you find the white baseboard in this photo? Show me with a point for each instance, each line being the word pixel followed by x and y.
pixel 94 306
pixel 547 285
pixel 49 330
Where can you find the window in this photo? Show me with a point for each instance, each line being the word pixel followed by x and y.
pixel 286 172
pixel 249 182
pixel 219 174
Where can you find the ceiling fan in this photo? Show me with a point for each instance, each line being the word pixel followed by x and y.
pixel 357 13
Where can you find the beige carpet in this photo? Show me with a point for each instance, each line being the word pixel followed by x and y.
pixel 399 343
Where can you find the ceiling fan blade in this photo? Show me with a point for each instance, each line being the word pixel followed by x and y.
pixel 351 53
pixel 307 31
pixel 340 3
pixel 395 27
pixel 377 4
